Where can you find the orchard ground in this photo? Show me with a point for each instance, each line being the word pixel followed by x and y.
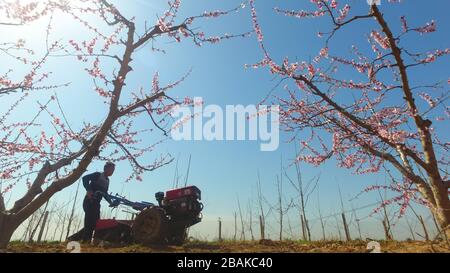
pixel 263 246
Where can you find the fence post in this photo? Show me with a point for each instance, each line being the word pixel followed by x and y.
pixel 42 227
pixel 261 228
pixel 347 231
pixel 220 230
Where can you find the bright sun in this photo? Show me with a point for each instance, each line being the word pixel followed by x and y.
pixel 32 18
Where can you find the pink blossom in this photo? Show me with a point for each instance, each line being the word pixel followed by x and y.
pixel 333 4
pixel 343 13
pixel 428 28
pixel 256 25
pixel 324 52
pixel 311 70
pixel 382 41
pixel 404 24
pixel 426 97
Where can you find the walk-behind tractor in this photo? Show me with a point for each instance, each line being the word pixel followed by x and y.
pixel 165 223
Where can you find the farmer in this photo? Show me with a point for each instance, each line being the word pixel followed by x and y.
pixel 93 183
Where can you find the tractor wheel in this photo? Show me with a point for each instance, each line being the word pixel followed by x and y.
pixel 120 234
pixel 150 226
pixel 177 237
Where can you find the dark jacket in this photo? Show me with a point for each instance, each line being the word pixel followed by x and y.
pixel 96 182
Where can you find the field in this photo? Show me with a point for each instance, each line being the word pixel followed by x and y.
pixel 266 246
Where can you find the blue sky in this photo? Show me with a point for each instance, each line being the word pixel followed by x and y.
pixel 225 170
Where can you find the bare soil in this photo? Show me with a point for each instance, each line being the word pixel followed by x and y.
pixel 264 246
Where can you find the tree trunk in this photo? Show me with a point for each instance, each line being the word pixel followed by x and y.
pixel 386 230
pixel 48 226
pixel 442 216
pixel 440 233
pixel 324 236
pixel 235 226
pixel 251 222
pixel 5 237
pixel 436 192
pixel 303 227
pixel 7 229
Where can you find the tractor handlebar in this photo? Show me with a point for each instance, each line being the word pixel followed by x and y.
pixel 117 200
